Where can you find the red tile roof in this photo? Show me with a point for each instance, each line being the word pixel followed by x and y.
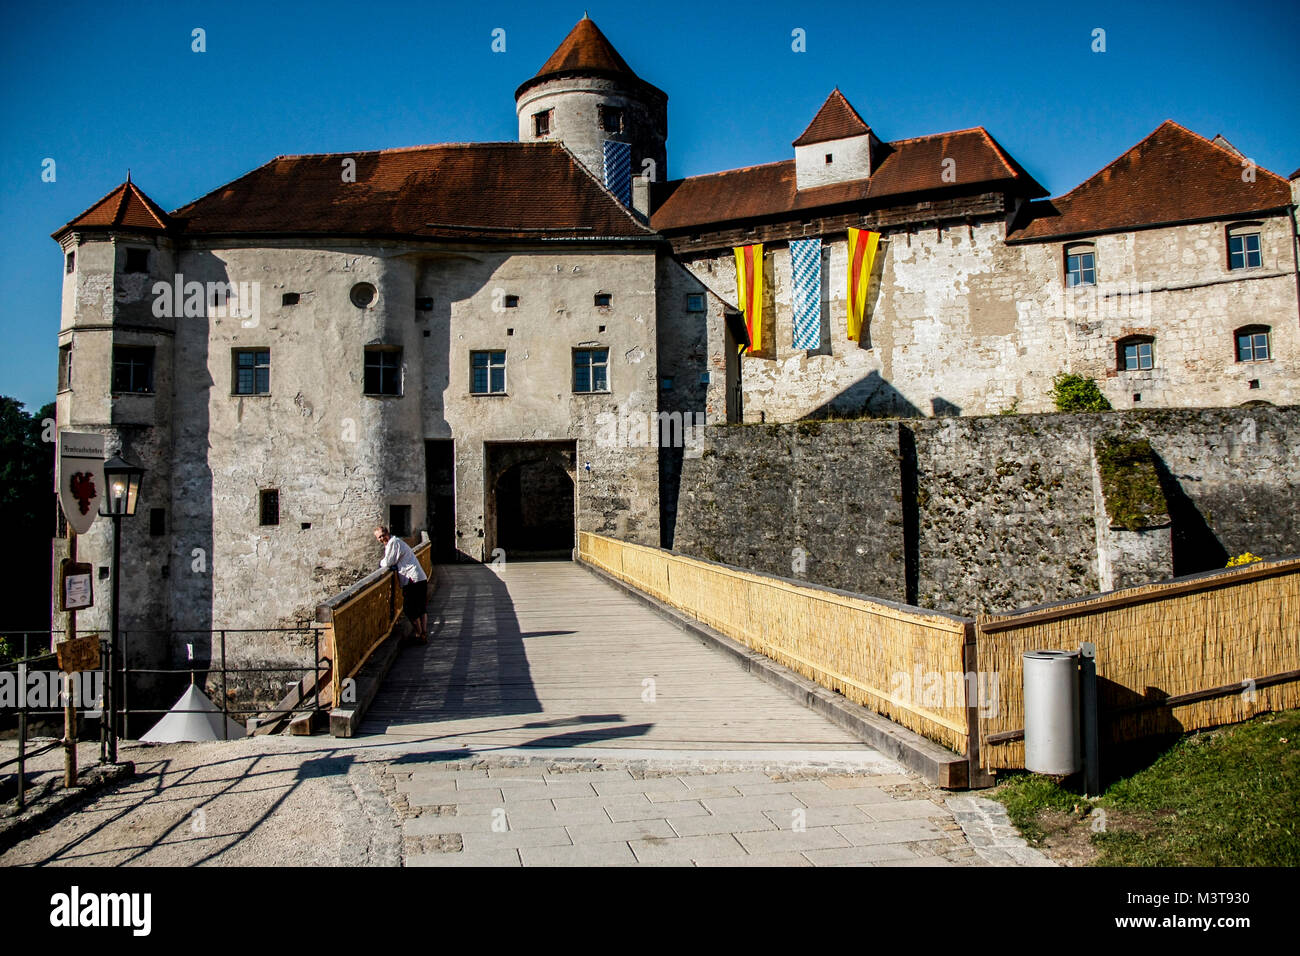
pixel 836 119
pixel 471 191
pixel 1173 175
pixel 905 166
pixel 586 52
pixel 126 207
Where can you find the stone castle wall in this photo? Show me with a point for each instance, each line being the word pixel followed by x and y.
pixel 988 513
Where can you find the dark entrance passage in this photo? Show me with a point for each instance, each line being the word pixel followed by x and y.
pixel 440 478
pixel 531 500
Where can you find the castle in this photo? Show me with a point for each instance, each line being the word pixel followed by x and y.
pixel 480 340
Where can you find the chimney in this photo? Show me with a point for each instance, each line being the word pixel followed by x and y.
pixel 641 197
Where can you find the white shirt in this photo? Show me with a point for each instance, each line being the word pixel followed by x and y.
pixel 398 554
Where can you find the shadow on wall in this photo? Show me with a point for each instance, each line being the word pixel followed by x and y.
pixel 874 397
pixel 1195 545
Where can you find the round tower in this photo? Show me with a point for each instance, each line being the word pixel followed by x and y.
pixel 587 97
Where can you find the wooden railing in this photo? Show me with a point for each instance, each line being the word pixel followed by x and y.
pixel 1181 655
pixel 361 618
pixel 903 662
pixel 1187 654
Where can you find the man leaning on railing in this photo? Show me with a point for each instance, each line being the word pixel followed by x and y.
pixel 415 583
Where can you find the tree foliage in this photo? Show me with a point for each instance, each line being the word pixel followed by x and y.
pixel 1078 393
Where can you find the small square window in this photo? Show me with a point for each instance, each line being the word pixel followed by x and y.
pixel 70 263
pixel 269 506
pixel 399 520
pixel 695 302
pixel 487 373
pixel 252 372
pixel 603 300
pixel 1136 355
pixel 132 369
pixel 666 383
pixel 137 260
pixel 1254 383
pixel 383 371
pixel 290 298
pixel 611 119
pixel 424 304
pixel 157 522
pixel 829 159
pixel 591 370
pixel 1243 251
pixel 511 302
pixel 542 123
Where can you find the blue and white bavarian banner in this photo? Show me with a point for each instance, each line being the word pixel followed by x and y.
pixel 806 258
pixel 618 170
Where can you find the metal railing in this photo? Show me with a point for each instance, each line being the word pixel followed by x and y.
pixel 118 675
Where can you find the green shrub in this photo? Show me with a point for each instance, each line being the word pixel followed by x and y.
pixel 1078 393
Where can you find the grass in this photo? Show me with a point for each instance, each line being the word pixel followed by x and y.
pixel 1226 797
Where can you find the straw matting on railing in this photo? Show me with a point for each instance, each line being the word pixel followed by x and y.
pixel 360 624
pixel 1157 641
pixel 901 662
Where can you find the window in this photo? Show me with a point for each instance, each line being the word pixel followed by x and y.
pixel 542 123
pixel 1136 354
pixel 424 304
pixel 603 300
pixel 383 371
pixel 1243 249
pixel 511 302
pixel 829 159
pixel 695 302
pixel 269 506
pixel 132 369
pixel 252 372
pixel 70 263
pixel 666 383
pixel 1080 265
pixel 1252 344
pixel 290 298
pixel 611 119
pixel 399 520
pixel 157 522
pixel 487 373
pixel 362 294
pixel 591 370
pixel 65 367
pixel 137 260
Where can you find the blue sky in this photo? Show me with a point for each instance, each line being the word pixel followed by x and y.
pixel 100 87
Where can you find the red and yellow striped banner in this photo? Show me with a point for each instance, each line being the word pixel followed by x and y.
pixel 862 259
pixel 749 290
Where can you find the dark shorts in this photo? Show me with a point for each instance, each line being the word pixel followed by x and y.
pixel 414 598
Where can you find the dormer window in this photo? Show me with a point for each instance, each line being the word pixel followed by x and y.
pixel 611 119
pixel 542 123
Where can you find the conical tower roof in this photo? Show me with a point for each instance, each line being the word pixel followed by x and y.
pixel 126 207
pixel 586 52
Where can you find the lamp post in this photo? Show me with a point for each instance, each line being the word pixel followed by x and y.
pixel 123 481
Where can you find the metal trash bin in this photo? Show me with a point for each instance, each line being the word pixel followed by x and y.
pixel 1051 686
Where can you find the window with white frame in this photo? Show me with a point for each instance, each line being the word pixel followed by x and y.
pixel 1080 264
pixel 1136 353
pixel 1253 344
pixel 487 373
